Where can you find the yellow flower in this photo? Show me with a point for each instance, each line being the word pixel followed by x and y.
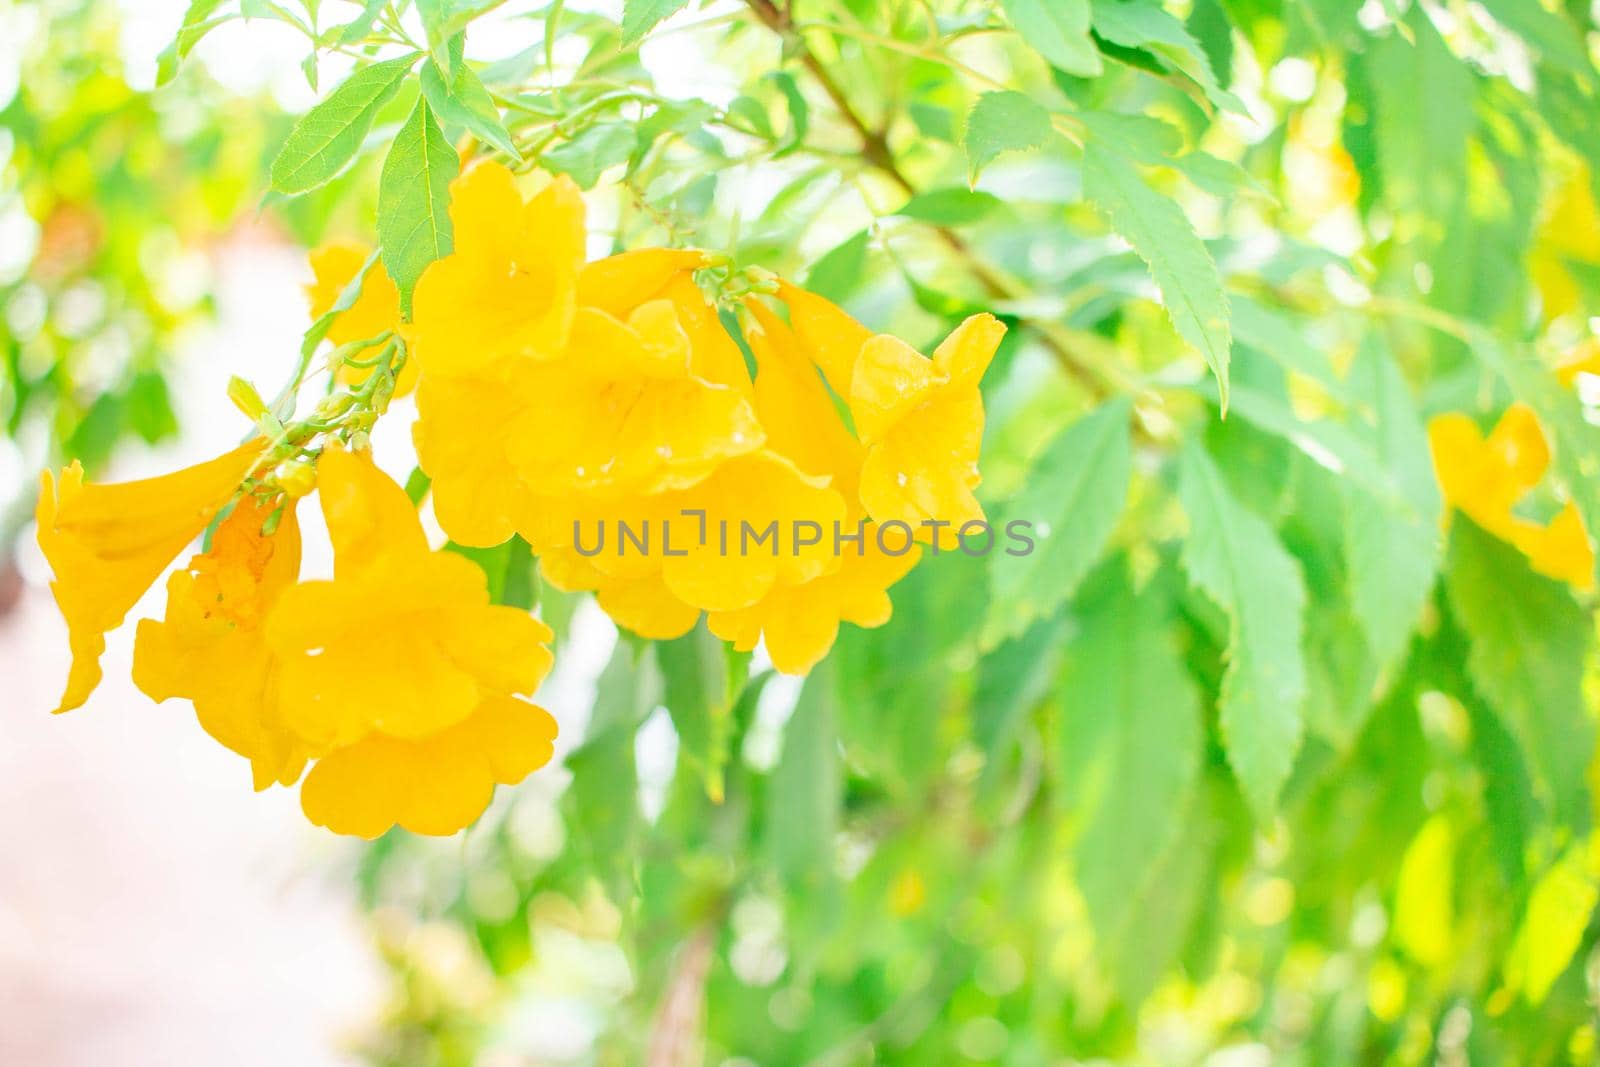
pixel 1485 478
pixel 827 332
pixel 211 648
pixel 620 414
pixel 1560 549
pixel 431 785
pixel 375 311
pixel 623 414
pixel 921 421
pixel 1570 233
pixel 794 407
pixel 801 622
pixel 1584 359
pixel 108 543
pixel 728 559
pixel 640 602
pixel 478 497
pixel 509 287
pixel 620 283
pixel 402 641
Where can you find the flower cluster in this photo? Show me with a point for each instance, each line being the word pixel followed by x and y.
pixel 555 392
pixel 550 391
pixel 1486 479
pixel 396 681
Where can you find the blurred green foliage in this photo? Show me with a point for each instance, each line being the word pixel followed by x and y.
pixel 1247 765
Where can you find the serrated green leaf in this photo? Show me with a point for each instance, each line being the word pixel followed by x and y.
pixel 463 101
pixel 639 17
pixel 1129 754
pixel 1073 497
pixel 414 200
pixel 1158 230
pixel 1238 562
pixel 950 207
pixel 1003 122
pixel 328 136
pixel 1144 24
pixel 1392 547
pixel 590 153
pixel 1528 643
pixel 1059 31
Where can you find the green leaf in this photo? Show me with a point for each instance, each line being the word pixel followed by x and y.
pixel 1003 122
pixel 1424 120
pixel 1528 640
pixel 328 136
pixel 1130 747
pixel 639 17
pixel 1392 547
pixel 508 565
pixel 701 680
pixel 1144 24
pixel 1548 33
pixel 1013 681
pixel 414 200
pixel 837 274
pixel 1237 561
pixel 602 804
pixel 1284 340
pixel 590 153
pixel 1141 138
pixel 799 112
pixel 1158 230
pixel 1073 496
pixel 197 22
pixel 444 21
pixel 803 796
pixel 950 207
pixel 463 101
pixel 1059 31
pixel 357 28
pixel 149 411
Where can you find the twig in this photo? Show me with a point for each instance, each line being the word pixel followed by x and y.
pixel 876 152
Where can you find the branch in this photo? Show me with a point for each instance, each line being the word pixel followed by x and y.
pixel 876 151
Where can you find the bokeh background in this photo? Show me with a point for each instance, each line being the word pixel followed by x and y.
pixel 948 861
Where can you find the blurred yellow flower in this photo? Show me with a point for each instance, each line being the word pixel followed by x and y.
pixel 376 310
pixel 211 648
pixel 1584 359
pixel 1569 233
pixel 618 284
pixel 436 784
pixel 108 543
pixel 402 641
pixel 1486 477
pixel 509 287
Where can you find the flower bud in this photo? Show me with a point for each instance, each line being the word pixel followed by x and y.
pixel 296 478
